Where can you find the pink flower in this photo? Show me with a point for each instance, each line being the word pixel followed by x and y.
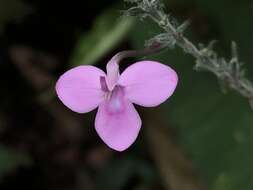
pixel 145 83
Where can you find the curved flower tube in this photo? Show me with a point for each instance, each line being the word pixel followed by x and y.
pixel 145 83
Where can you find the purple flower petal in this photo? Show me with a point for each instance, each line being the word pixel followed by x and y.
pixel 117 122
pixel 112 69
pixel 79 88
pixel 148 83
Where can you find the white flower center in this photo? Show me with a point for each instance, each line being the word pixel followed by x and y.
pixel 115 100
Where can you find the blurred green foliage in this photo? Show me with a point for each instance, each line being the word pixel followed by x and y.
pixel 124 169
pixel 10 159
pixel 214 128
pixel 107 31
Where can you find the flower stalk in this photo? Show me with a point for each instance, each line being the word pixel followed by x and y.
pixel 155 47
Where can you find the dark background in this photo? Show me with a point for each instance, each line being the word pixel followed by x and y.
pixel 200 139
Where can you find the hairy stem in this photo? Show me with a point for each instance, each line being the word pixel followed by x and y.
pixel 229 72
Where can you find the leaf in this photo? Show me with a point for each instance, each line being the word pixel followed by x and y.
pixel 11 159
pixel 108 30
pixel 12 10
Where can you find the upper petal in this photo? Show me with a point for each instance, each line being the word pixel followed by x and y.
pixel 79 88
pixel 112 69
pixel 148 83
pixel 117 123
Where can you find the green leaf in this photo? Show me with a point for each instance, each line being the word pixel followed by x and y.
pixel 11 159
pixel 108 30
